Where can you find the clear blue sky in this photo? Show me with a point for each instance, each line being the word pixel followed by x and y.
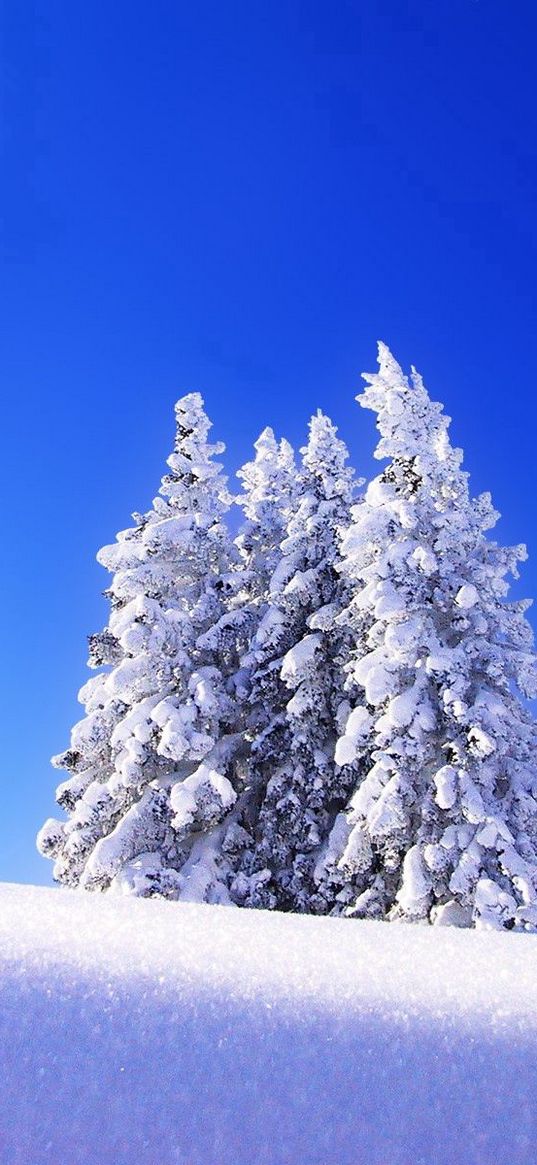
pixel 240 198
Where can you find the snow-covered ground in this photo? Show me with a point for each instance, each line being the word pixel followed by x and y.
pixel 150 1033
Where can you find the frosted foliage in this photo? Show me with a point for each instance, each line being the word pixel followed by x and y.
pixel 328 714
pixel 203 798
pixel 269 484
pixel 438 733
pixel 163 704
pixel 269 489
pixel 295 663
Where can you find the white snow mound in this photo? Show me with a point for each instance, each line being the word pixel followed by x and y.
pixel 173 1034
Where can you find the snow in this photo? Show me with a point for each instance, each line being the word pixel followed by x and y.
pixel 415 885
pixel 466 597
pixel 377 679
pixel 357 726
pixel 346 750
pixel 178 1034
pixel 359 722
pixel 299 658
pixel 424 559
pixel 205 790
pixel 481 741
pixel 402 708
pixel 446 787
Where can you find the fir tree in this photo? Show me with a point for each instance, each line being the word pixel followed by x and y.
pixel 269 486
pixel 295 690
pixel 158 718
pixel 442 823
pixel 269 496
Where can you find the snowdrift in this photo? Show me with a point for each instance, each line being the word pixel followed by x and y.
pixel 151 1033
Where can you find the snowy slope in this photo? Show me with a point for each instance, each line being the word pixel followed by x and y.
pixel 150 1033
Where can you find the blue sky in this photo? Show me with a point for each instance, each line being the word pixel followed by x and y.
pixel 240 198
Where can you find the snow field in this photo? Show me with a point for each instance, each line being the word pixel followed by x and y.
pixel 138 1032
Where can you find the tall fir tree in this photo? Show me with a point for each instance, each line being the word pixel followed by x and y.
pixel 155 718
pixel 269 497
pixel 295 690
pixel 269 488
pixel 441 825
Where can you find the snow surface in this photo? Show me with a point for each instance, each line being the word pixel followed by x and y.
pixel 137 1032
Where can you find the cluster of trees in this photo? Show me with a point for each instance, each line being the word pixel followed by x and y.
pixel 327 713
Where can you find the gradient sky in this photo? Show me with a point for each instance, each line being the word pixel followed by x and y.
pixel 240 198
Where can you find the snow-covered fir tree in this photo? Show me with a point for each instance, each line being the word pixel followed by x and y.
pixel 268 483
pixel 441 825
pixel 294 691
pixel 269 496
pixel 148 762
